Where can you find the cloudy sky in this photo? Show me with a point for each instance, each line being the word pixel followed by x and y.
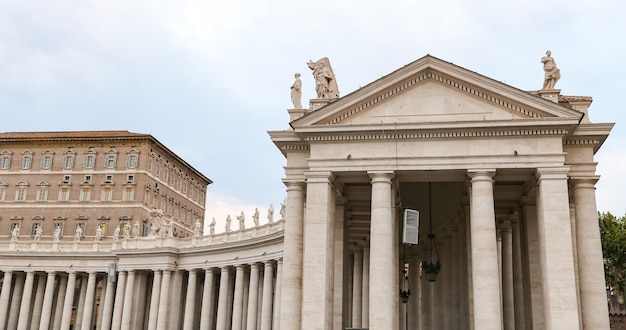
pixel 209 78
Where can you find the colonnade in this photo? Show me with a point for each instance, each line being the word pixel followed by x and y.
pixel 240 296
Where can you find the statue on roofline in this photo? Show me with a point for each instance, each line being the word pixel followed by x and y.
pixel 325 83
pixel 552 73
pixel 296 92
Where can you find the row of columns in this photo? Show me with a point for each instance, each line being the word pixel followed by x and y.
pixel 38 300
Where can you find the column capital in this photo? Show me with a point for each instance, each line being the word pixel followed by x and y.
pixel 584 182
pixel 551 173
pixel 481 174
pixel 319 176
pixel 294 184
pixel 381 176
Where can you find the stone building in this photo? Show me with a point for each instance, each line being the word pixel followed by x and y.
pixel 506 238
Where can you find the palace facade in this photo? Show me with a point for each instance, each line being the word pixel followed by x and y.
pixel 507 235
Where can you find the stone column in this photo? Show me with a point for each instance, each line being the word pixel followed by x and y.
pixel 153 316
pixel 25 308
pixel 266 308
pixel 383 294
pixel 339 298
pixel 4 297
pixel 69 300
pixel 206 317
pixel 357 288
pixel 164 298
pixel 238 298
pixel 190 301
pixel 317 281
pixel 253 294
pixel 46 309
pixel 58 312
pixel 291 293
pixel 128 300
pixel 277 293
pixel 365 293
pixel 103 288
pixel 118 308
pixel 559 283
pixel 413 306
pixel 486 284
pixel 590 266
pixel 38 302
pixel 222 304
pixel 536 302
pixel 14 312
pixel 176 299
pixel 518 285
pixel 89 301
pixel 508 304
pixel 107 310
pixel 80 308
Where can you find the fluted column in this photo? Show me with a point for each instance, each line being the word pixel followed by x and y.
pixel 486 284
pixel 25 308
pixel 89 301
pixel 291 294
pixel 357 288
pixel 590 267
pixel 107 309
pixel 69 300
pixel 238 298
pixel 383 294
pixel 46 309
pixel 58 312
pixel 222 303
pixel 253 294
pixel 190 301
pixel 559 281
pixel 164 300
pixel 18 290
pixel 118 308
pixel 317 281
pixel 508 304
pixel 206 317
pixel 266 308
pixel 4 297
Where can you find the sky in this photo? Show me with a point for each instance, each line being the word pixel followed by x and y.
pixel 209 78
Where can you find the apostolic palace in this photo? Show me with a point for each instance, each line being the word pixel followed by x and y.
pixel 431 198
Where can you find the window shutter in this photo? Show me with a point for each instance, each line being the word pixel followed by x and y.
pixel 410 232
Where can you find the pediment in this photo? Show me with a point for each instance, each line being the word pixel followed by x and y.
pixel 430 90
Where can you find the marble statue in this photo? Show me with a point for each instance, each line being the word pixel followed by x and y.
pixel 227 227
pixel 38 233
pixel 296 92
pixel 98 233
pixel 56 234
pixel 166 228
pixel 552 73
pixel 78 233
pixel 242 221
pixel 283 207
pixel 270 214
pixel 136 229
pixel 15 233
pixel 212 227
pixel 156 219
pixel 255 217
pixel 325 83
pixel 116 234
pixel 126 232
pixel 197 230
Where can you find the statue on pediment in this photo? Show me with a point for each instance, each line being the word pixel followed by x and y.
pixel 325 83
pixel 296 92
pixel 212 227
pixel 552 73
pixel 270 214
pixel 227 226
pixel 255 217
pixel 242 221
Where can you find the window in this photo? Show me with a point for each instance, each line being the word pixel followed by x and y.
pixel 131 178
pixel 42 191
pixel 26 161
pixel 103 227
pixel 87 178
pixel 158 170
pixel 178 182
pixel 46 160
pixel 85 193
pixel 132 160
pixel 59 225
pixel 80 224
pixel 89 161
pixel 106 193
pixel 67 179
pixel 5 160
pixel 3 188
pixel 110 160
pixel 166 174
pixel 64 193
pixel 20 191
pixel 33 228
pixel 128 193
pixel 150 161
pixel 108 178
pixel 68 161
pixel 14 224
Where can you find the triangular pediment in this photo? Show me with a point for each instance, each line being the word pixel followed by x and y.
pixel 430 90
